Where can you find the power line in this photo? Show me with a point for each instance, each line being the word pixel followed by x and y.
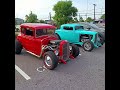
pixel 91 9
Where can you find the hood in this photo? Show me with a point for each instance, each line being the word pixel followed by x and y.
pixel 86 31
pixel 45 39
pixel 98 30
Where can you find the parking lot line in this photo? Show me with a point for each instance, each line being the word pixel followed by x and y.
pixel 22 73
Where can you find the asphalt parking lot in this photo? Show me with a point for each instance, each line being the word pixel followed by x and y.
pixel 86 72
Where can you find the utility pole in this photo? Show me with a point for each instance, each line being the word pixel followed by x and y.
pixel 87 9
pixel 79 17
pixel 86 15
pixel 94 10
pixel 50 15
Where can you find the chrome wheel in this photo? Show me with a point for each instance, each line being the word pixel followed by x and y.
pixel 48 60
pixel 87 46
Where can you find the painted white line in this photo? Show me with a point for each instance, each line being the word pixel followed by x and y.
pixel 79 54
pixel 22 73
pixel 42 69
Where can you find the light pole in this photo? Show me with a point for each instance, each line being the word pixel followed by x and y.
pixel 94 10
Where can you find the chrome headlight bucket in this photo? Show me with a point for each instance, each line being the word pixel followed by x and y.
pixel 56 52
pixel 70 47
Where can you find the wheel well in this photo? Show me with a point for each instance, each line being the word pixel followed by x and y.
pixel 58 35
pixel 85 36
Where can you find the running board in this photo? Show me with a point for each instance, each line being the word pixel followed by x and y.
pixel 32 53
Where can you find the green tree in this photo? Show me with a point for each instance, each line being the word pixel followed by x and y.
pixel 42 21
pixel 31 18
pixel 89 19
pixel 75 20
pixel 64 12
pixel 102 17
pixel 81 19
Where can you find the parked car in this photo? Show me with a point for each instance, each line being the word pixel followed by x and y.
pixel 39 40
pixel 100 23
pixel 75 33
pixel 17 28
pixel 93 27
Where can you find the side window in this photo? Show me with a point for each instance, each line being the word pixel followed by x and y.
pixel 40 32
pixel 23 30
pixel 101 21
pixel 29 32
pixel 67 28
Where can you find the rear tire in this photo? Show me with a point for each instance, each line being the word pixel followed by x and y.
pixel 18 47
pixel 88 46
pixel 75 50
pixel 50 60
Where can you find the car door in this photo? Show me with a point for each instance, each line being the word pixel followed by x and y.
pixel 68 33
pixel 29 39
pixel 37 41
pixel 30 43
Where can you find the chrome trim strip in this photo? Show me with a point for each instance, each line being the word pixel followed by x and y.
pixel 32 53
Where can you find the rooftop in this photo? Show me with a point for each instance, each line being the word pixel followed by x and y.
pixel 37 25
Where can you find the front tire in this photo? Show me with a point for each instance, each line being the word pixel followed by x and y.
pixel 50 60
pixel 18 47
pixel 75 50
pixel 88 46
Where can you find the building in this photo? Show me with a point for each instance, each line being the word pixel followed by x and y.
pixel 19 21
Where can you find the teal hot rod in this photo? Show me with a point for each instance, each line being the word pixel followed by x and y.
pixel 75 33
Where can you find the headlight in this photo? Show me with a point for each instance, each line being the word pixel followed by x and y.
pixel 70 47
pixel 56 52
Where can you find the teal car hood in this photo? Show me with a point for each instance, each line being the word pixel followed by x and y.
pixel 85 32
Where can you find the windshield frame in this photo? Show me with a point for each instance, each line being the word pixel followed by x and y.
pixel 45 31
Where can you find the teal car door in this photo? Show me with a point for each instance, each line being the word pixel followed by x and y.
pixel 68 33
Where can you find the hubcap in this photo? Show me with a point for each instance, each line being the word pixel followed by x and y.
pixel 48 60
pixel 87 46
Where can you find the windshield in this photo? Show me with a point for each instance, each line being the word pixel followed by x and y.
pixel 40 32
pixel 94 26
pixel 79 27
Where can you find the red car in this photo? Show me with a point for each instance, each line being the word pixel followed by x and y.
pixel 39 40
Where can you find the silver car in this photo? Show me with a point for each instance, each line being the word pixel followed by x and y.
pixel 93 27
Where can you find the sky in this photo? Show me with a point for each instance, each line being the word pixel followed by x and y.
pixel 42 8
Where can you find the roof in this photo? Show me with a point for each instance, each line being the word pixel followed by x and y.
pixel 37 25
pixel 71 24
